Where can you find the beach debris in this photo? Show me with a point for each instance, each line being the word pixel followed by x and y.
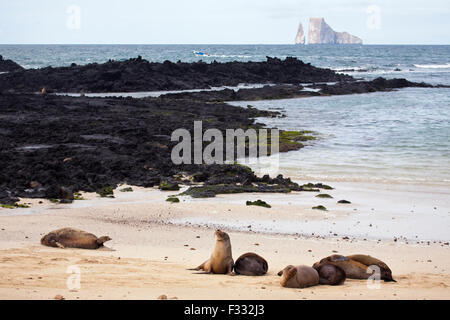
pixel 259 203
pixel 59 297
pixel 162 297
pixel 320 207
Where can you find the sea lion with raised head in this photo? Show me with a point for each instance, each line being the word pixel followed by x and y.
pixel 386 273
pixel 73 238
pixel 329 274
pixel 298 277
pixel 251 264
pixel 221 261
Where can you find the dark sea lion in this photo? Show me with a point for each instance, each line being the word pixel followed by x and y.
pixel 73 238
pixel 221 261
pixel 353 269
pixel 386 273
pixel 298 277
pixel 251 264
pixel 330 274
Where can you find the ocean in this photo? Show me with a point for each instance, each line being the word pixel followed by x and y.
pixel 400 136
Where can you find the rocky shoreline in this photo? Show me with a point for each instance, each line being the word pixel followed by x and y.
pixel 53 146
pixel 141 75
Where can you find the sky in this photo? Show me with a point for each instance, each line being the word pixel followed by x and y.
pixel 218 22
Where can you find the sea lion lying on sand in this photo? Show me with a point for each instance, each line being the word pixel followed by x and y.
pixel 330 274
pixel 386 273
pixel 355 266
pixel 73 238
pixel 251 264
pixel 221 261
pixel 298 277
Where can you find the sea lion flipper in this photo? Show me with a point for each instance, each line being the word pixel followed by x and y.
pixel 200 267
pixel 59 245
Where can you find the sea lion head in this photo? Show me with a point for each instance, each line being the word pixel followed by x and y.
pixel 289 271
pixel 222 236
pixel 103 239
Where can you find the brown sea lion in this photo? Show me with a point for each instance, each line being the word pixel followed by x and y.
pixel 386 273
pixel 221 261
pixel 330 274
pixel 251 264
pixel 352 269
pixel 73 238
pixel 298 277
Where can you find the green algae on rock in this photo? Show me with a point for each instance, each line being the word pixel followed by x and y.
pixel 259 203
pixel 320 208
pixel 106 192
pixel 169 186
pixel 324 195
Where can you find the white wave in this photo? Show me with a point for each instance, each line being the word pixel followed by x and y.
pixel 432 66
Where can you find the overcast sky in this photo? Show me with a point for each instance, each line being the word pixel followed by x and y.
pixel 219 22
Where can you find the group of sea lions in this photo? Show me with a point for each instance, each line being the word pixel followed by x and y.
pixel 332 270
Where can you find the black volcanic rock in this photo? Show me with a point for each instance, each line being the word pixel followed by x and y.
pixel 9 65
pixel 59 145
pixel 141 75
pixel 378 84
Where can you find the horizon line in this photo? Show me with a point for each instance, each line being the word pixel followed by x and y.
pixel 222 44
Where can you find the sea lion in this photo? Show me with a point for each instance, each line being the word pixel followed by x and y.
pixel 73 238
pixel 330 274
pixel 44 91
pixel 298 277
pixel 386 273
pixel 251 264
pixel 353 269
pixel 221 261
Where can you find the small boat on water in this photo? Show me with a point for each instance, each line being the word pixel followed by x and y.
pixel 201 53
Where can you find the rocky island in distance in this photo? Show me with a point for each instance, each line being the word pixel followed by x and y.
pixel 321 33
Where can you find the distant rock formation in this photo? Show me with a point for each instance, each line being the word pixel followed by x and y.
pixel 321 33
pixel 300 39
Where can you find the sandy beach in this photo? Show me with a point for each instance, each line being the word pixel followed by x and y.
pixel 154 242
